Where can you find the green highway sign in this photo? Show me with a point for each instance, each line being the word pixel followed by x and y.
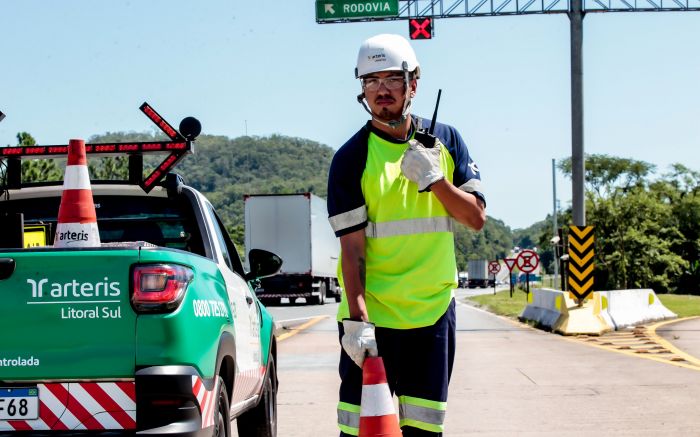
pixel 331 10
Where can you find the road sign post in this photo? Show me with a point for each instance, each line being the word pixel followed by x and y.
pixel 510 262
pixel 527 262
pixel 494 267
pixel 333 10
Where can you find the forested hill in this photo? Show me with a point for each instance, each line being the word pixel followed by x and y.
pixel 225 169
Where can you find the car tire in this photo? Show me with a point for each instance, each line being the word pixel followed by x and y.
pixel 261 421
pixel 222 421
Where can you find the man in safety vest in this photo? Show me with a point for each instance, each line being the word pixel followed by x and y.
pixel 394 192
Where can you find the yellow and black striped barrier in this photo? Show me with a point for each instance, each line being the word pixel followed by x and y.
pixel 581 265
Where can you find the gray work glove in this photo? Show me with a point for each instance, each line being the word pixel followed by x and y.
pixel 421 164
pixel 358 340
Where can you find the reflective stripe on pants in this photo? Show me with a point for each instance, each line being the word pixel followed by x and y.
pixel 349 418
pixel 422 413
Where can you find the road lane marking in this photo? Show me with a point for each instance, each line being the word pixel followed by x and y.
pixel 642 342
pixel 668 345
pixel 303 326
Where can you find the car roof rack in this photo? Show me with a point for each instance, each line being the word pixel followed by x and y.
pixel 179 145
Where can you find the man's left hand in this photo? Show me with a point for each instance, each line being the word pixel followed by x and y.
pixel 421 164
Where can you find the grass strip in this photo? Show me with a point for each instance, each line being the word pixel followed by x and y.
pixel 501 303
pixel 684 305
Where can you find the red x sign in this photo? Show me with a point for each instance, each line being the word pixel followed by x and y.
pixel 527 261
pixel 420 28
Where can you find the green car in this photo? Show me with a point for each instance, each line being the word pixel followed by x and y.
pixel 156 332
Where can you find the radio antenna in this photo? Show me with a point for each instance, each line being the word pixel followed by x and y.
pixel 437 104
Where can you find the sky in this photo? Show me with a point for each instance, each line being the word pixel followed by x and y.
pixel 77 68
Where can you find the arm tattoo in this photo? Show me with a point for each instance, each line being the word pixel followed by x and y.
pixel 363 270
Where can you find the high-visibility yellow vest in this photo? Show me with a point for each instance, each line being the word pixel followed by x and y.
pixel 410 257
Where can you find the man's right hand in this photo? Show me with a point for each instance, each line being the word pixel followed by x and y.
pixel 358 340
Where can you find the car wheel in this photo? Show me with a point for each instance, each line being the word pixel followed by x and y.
pixel 222 421
pixel 261 421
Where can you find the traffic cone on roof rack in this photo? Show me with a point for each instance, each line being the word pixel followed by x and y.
pixel 377 416
pixel 77 221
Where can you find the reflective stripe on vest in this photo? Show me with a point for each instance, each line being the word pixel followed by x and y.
pixel 409 227
pixel 349 418
pixel 422 413
pixel 349 219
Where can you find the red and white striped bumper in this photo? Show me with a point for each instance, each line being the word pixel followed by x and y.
pixel 206 399
pixel 81 406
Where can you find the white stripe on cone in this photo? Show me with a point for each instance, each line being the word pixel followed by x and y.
pixel 376 401
pixel 76 178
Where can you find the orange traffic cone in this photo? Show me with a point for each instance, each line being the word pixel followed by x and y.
pixel 77 221
pixel 377 415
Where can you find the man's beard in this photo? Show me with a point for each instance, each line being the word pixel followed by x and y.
pixel 387 115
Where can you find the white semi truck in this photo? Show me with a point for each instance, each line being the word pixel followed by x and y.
pixel 295 227
pixel 478 273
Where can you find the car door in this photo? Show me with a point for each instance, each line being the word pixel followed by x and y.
pixel 246 315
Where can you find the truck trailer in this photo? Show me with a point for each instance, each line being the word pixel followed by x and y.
pixel 478 273
pixel 295 227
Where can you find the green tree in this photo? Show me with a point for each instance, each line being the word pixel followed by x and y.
pixel 36 170
pixel 681 189
pixel 636 228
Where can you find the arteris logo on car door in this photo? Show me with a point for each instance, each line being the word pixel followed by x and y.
pixel 78 299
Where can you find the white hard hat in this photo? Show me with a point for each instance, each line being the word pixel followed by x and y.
pixel 386 52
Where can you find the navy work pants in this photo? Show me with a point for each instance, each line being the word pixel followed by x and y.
pixel 418 364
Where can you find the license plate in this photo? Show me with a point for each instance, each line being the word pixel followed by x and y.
pixel 19 403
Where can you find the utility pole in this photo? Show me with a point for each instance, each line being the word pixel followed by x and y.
pixel 578 202
pixel 555 236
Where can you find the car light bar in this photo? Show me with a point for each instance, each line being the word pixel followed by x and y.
pixel 104 149
pixel 177 148
pixel 160 122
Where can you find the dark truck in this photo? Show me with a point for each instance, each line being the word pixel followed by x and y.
pixel 156 332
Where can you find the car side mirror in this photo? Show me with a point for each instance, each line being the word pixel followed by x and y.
pixel 262 263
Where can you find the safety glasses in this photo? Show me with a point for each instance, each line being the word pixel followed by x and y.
pixel 391 83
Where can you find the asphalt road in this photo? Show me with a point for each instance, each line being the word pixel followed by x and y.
pixel 509 380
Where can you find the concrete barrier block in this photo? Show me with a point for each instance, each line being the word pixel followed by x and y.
pixel 545 307
pixel 633 307
pixel 584 319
